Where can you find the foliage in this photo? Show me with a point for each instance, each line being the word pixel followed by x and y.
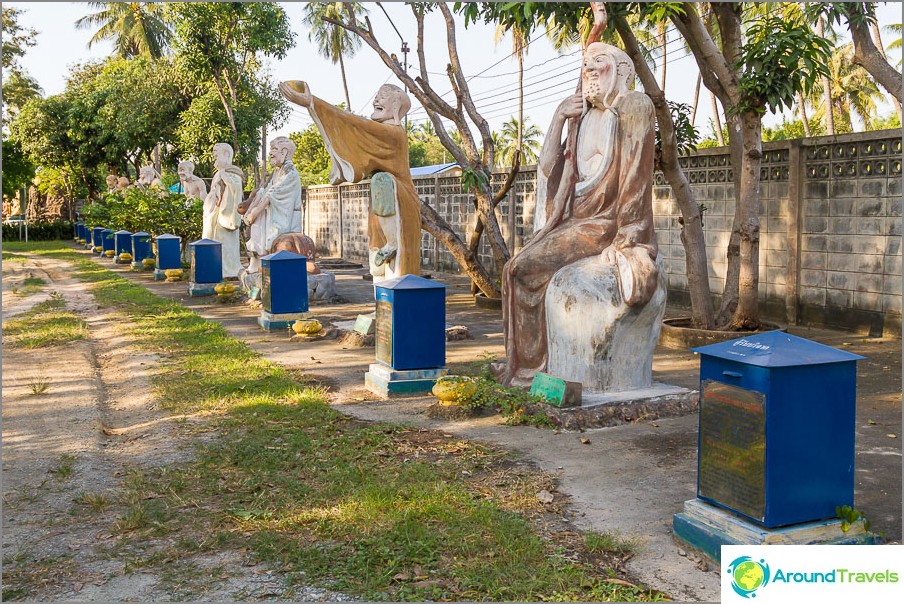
pixel 886 122
pixel 508 142
pixel 18 89
pixel 40 231
pixel 852 90
pixel 154 211
pixel 792 129
pixel 138 29
pixel 16 39
pixel 425 148
pixel 311 158
pixel 333 42
pixel 780 58
pixel 223 44
pixel 686 134
pixel 17 170
pixel 518 406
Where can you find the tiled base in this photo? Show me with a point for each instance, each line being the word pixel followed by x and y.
pixel 706 528
pixel 388 382
pixel 159 274
pixel 201 289
pixel 275 322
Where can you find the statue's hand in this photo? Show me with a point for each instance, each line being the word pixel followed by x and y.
pixel 248 218
pixel 297 92
pixel 609 255
pixel 573 106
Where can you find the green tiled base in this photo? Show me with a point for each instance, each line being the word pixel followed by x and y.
pixel 201 289
pixel 707 528
pixel 279 321
pixel 390 388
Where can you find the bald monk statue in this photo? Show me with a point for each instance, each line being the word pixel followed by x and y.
pixel 377 149
pixel 583 300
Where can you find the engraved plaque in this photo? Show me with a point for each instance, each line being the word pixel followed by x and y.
pixel 266 300
pixel 733 448
pixel 383 194
pixel 383 338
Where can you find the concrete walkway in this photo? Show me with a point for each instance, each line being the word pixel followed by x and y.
pixel 628 479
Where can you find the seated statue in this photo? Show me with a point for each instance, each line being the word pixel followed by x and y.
pixel 192 186
pixel 147 177
pixel 359 149
pixel 590 272
pixel 275 208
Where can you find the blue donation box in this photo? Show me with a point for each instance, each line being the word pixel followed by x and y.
pixel 97 238
pixel 206 266
pixel 107 241
pixel 169 254
pixel 776 443
pixel 77 231
pixel 410 336
pixel 284 290
pixel 122 242
pixel 141 248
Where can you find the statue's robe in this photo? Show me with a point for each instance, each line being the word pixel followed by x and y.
pixel 610 204
pixel 359 147
pixel 283 214
pixel 221 223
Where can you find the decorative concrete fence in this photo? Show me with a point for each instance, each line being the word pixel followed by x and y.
pixel 830 226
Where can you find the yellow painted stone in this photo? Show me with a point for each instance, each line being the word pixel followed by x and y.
pixel 98 249
pixel 173 273
pixel 109 253
pixel 452 389
pixel 125 257
pixel 224 289
pixel 307 327
pixel 148 262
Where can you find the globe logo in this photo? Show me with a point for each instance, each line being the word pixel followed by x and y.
pixel 748 575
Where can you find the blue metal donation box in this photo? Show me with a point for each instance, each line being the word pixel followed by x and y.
pixel 97 239
pixel 776 443
pixel 410 336
pixel 107 242
pixel 169 254
pixel 284 290
pixel 77 231
pixel 206 267
pixel 87 238
pixel 122 243
pixel 141 249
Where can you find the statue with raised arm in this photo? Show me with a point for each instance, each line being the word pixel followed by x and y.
pixel 221 217
pixel 192 186
pixel 276 207
pixel 377 149
pixel 590 271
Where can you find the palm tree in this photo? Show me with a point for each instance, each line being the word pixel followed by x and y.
pixel 894 28
pixel 333 42
pixel 512 133
pixel 852 91
pixel 136 28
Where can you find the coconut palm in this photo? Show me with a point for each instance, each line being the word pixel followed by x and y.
pixel 509 138
pixel 333 42
pixel 894 28
pixel 853 91
pixel 136 28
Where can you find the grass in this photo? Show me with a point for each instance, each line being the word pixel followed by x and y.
pixel 63 469
pixel 39 385
pixel 96 502
pixel 383 512
pixel 48 323
pixel 30 285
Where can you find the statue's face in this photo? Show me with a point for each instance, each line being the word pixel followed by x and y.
pixel 598 75
pixel 277 155
pixel 385 106
pixel 123 182
pixel 111 181
pixel 220 158
pixel 183 171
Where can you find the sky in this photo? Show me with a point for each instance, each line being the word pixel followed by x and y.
pixel 549 76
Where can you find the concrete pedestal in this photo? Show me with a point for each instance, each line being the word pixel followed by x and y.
pixel 388 382
pixel 201 289
pixel 706 528
pixel 279 321
pixel 159 275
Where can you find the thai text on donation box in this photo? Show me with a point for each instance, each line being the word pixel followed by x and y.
pixel 411 323
pixel 776 441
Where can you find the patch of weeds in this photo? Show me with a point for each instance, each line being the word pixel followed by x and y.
pixel 96 501
pixel 27 577
pixel 609 543
pixel 47 324
pixel 517 405
pixel 10 257
pixel 30 285
pixel 63 469
pixel 39 385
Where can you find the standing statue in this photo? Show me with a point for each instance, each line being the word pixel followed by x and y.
pixel 147 177
pixel 377 149
pixel 591 267
pixel 275 208
pixel 221 217
pixel 193 186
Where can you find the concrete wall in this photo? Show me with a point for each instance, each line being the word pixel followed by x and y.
pixel 830 226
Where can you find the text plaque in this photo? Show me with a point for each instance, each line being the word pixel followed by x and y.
pixel 266 300
pixel 733 448
pixel 383 339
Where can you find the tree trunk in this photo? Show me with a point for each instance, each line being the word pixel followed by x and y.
pixel 263 174
pixel 803 114
pixel 157 160
pixel 733 251
pixel 868 56
pixel 696 266
pixel 877 37
pixel 663 39
pixel 747 315
pixel 348 102
pixel 826 90
pixel 696 98
pixel 717 120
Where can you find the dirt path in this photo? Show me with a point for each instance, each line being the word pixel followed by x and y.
pixel 67 450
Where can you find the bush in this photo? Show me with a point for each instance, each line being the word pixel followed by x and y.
pixel 154 211
pixel 40 231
